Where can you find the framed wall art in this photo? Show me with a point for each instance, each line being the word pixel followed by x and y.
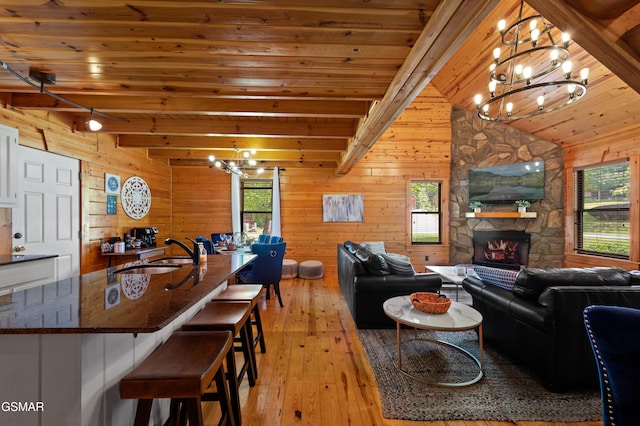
pixel 343 208
pixel 111 184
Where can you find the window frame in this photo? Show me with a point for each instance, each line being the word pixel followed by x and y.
pixel 242 210
pixel 579 210
pixel 440 213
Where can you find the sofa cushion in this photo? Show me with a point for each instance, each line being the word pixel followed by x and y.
pixel 373 263
pixel 399 264
pixel 503 278
pixel 531 282
pixel 351 246
pixel 375 247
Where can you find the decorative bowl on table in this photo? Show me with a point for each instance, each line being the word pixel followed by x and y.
pixel 430 303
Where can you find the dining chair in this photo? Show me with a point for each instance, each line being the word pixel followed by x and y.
pixel 614 333
pixel 263 238
pixel 266 268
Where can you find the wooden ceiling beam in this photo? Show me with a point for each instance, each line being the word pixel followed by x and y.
pixel 219 126
pixel 593 37
pixel 180 162
pixel 200 14
pixel 226 143
pixel 449 26
pixel 194 106
pixel 231 154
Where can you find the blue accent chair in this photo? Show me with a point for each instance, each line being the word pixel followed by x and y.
pixel 266 269
pixel 614 333
pixel 264 238
pixel 275 239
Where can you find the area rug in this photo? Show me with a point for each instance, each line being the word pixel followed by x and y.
pixel 505 393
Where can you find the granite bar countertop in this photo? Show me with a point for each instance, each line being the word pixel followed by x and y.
pixel 10 259
pixel 109 302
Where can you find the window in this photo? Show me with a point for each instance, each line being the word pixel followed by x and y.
pixel 256 208
pixel 602 210
pixel 426 213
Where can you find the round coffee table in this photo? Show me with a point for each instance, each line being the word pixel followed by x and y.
pixel 459 317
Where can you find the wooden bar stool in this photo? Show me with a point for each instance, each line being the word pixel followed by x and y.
pixel 251 293
pixel 182 369
pixel 233 317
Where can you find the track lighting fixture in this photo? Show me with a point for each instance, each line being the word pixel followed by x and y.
pixel 38 78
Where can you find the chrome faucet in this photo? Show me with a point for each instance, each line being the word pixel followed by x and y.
pixel 193 254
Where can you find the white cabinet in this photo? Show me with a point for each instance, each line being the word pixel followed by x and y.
pixel 8 166
pixel 21 275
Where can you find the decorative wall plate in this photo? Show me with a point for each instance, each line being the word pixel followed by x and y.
pixel 135 197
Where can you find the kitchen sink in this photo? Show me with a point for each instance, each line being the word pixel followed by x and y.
pixel 170 260
pixel 149 269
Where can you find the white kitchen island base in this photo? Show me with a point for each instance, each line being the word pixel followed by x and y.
pixel 76 376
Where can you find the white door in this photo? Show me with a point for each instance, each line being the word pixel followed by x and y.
pixel 47 219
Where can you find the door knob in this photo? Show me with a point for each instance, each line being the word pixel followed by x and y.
pixel 19 248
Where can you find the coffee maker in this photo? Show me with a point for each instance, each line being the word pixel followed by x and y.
pixel 146 235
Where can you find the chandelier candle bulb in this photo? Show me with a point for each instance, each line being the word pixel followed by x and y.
pixel 526 73
pixel 502 24
pixel 534 37
pixel 584 75
pixel 567 66
pixel 540 101
pixel 496 54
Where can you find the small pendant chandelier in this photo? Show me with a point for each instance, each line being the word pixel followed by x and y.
pixel 530 81
pixel 242 162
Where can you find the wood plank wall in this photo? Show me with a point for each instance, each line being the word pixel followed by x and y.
pixel 201 202
pixel 97 154
pixel 417 146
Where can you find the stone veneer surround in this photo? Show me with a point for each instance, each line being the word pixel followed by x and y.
pixel 479 143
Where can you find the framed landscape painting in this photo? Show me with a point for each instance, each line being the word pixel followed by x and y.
pixel 343 208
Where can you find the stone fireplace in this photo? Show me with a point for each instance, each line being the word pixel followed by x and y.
pixel 476 143
pixel 501 249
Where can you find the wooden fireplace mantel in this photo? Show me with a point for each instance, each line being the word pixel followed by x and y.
pixel 502 215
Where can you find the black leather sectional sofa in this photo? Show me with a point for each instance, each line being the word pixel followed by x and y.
pixel 539 322
pixel 366 289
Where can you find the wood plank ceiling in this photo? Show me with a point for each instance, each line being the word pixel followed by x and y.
pixel 306 83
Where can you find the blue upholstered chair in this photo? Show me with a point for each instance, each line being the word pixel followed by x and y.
pixel 275 239
pixel 263 238
pixel 267 268
pixel 614 333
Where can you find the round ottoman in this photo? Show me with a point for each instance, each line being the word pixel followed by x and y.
pixel 311 269
pixel 289 269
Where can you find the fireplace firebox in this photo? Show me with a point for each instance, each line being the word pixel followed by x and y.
pixel 501 249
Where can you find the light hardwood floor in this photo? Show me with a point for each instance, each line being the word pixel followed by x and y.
pixel 315 371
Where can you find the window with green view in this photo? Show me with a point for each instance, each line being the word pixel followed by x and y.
pixel 602 210
pixel 425 212
pixel 256 208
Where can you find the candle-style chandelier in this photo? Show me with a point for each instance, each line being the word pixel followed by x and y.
pixel 239 165
pixel 536 77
